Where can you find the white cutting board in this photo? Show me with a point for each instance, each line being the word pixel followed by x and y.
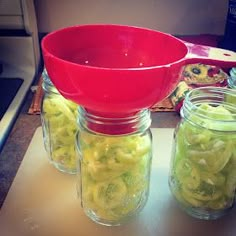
pixel 42 201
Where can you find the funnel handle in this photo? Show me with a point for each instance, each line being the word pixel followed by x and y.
pixel 210 55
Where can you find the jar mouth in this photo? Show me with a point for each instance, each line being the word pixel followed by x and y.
pixel 131 123
pixel 198 101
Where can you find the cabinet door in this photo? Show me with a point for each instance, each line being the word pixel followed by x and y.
pixel 11 16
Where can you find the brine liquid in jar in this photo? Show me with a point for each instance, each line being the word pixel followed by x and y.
pixel 114 165
pixel 203 166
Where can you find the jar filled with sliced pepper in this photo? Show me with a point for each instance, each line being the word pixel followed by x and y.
pixel 114 164
pixel 203 166
pixel 58 116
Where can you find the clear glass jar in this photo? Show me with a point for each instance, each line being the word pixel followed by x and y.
pixel 232 78
pixel 203 166
pixel 114 165
pixel 232 84
pixel 58 117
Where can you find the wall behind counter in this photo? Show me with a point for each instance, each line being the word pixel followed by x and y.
pixel 179 17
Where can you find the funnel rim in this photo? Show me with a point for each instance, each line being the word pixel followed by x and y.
pixel 151 67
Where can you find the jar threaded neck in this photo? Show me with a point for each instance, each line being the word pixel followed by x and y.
pixel 128 124
pixel 213 96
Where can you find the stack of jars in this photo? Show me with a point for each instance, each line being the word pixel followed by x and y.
pixel 114 155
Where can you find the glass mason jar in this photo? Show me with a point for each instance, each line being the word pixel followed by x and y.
pixel 232 78
pixel 58 116
pixel 203 166
pixel 232 84
pixel 114 165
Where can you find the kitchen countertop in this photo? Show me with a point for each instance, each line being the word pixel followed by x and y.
pixel 22 133
pixel 29 210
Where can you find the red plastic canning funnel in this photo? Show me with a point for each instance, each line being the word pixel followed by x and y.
pixel 121 69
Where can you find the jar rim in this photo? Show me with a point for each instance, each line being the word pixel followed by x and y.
pixel 215 97
pixel 113 125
